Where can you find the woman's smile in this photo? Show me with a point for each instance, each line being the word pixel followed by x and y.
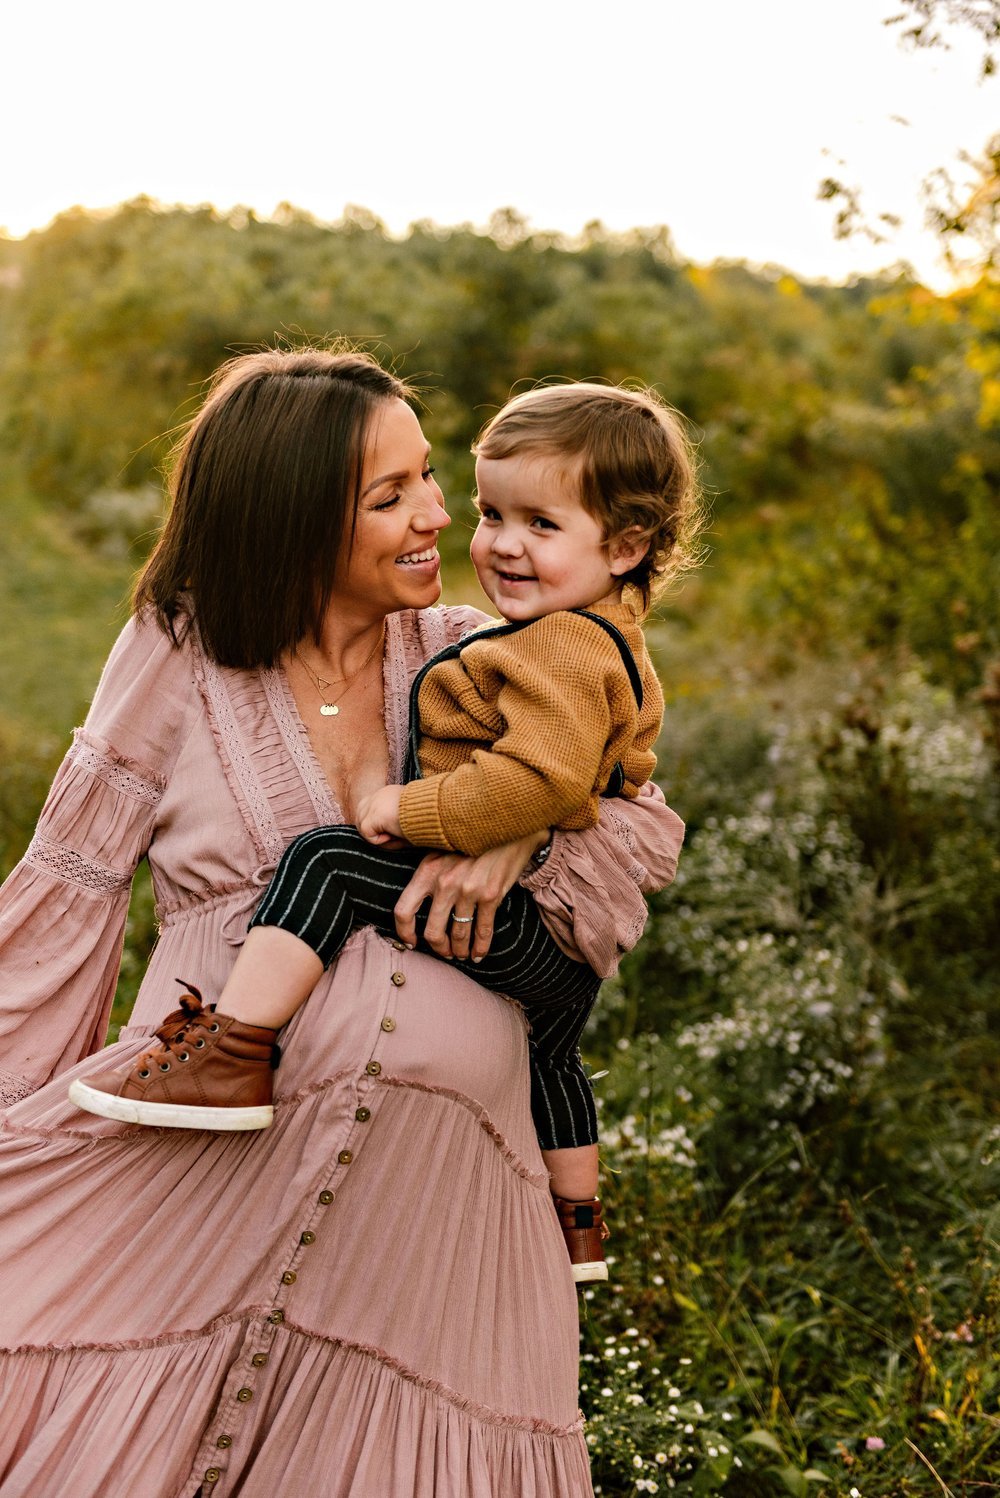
pixel 394 562
pixel 428 561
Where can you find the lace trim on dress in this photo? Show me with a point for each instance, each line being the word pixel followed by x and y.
pixel 625 833
pixel 396 687
pixel 327 813
pixel 65 863
pixel 630 936
pixel 116 773
pixel 235 758
pixel 13 1089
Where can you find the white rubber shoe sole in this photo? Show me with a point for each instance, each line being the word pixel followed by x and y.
pixel 169 1115
pixel 596 1270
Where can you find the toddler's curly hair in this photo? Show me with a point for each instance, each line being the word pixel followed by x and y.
pixel 635 466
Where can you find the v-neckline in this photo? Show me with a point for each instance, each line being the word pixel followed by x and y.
pixel 293 729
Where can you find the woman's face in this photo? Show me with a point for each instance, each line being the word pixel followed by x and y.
pixel 394 563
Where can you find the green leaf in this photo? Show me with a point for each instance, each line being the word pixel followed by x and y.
pixel 794 1481
pixel 813 1474
pixel 763 1438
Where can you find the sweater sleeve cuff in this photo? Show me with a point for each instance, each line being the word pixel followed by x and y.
pixel 420 815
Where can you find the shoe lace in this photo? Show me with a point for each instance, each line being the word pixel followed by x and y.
pixel 175 1031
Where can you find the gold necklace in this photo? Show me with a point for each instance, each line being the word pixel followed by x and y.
pixel 329 708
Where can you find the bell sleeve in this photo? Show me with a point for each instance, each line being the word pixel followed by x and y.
pixel 590 890
pixel 63 909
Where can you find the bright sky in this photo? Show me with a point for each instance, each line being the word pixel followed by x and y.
pixel 709 116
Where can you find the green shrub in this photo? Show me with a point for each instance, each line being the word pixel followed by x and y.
pixel 799 1123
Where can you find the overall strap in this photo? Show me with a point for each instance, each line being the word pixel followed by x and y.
pixel 616 779
pixel 411 767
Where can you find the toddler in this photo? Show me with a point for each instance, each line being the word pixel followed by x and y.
pixel 586 496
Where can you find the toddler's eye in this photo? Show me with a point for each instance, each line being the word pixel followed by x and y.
pixel 544 523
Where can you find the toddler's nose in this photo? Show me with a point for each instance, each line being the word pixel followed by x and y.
pixel 507 542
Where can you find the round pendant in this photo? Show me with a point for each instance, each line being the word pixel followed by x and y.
pixel 329 710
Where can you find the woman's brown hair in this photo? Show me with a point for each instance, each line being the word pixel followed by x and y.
pixel 264 485
pixel 634 465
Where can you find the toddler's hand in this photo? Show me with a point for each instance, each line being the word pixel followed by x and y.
pixel 378 817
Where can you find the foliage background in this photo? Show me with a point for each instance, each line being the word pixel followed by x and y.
pixel 800 1107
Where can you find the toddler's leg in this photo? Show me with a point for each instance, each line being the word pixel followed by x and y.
pixel 329 881
pixel 563 1109
pixel 573 1172
pixel 213 1066
pixel 558 995
pixel 274 975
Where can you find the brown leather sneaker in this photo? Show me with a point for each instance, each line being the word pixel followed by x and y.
pixel 586 1233
pixel 209 1071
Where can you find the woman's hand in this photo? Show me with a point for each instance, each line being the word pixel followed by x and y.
pixel 459 887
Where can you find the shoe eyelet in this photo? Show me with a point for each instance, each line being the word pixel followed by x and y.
pixel 199 1045
pixel 184 1056
pixel 164 1065
pixel 213 1029
pixel 144 1072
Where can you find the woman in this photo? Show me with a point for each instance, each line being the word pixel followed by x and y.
pixel 371 1298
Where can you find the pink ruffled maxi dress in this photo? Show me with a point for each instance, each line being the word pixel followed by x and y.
pixel 370 1299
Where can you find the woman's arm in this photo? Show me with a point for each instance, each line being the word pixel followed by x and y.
pixel 63 909
pixel 589 891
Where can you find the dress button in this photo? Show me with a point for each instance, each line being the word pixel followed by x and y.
pixel 345 1157
pixel 363 1114
pixel 388 1023
pixel 399 946
pixel 276 1317
pixel 245 1395
pixel 212 1474
pixel 289 1277
pixel 325 1198
pixel 399 979
pixel 259 1359
pixel 308 1238
pixel 224 1443
pixel 373 1068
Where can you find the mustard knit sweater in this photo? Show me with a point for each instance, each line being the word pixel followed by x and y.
pixel 523 731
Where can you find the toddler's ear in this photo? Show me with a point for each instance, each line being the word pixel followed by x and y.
pixel 627 550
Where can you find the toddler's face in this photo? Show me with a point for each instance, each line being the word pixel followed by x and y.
pixel 536 549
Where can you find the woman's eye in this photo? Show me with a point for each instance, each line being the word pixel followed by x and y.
pixel 387 504
pixel 428 472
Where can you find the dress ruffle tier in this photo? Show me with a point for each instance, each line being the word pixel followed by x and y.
pixel 380 1263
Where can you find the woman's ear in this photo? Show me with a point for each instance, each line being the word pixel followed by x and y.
pixel 627 550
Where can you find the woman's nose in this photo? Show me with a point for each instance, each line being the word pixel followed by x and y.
pixel 433 516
